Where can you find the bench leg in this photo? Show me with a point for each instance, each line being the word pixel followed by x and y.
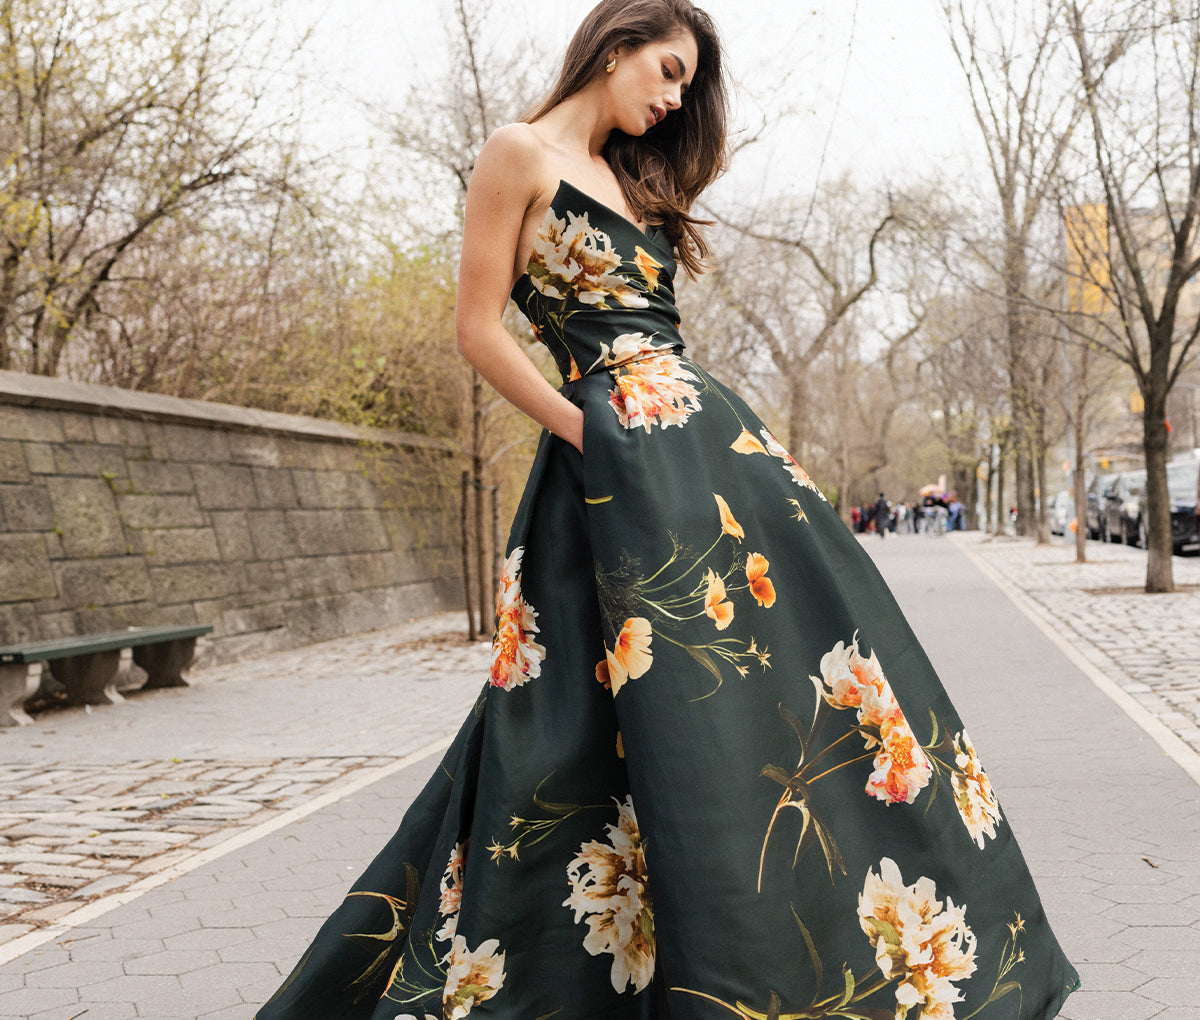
pixel 165 662
pixel 92 679
pixel 18 682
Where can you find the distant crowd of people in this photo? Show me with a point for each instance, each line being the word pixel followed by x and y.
pixel 934 515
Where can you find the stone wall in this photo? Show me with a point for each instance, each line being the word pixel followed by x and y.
pixel 120 508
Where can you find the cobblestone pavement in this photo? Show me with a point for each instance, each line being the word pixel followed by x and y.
pixel 96 800
pixel 188 803
pixel 1148 644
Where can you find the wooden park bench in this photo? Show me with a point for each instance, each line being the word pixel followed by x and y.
pixel 91 666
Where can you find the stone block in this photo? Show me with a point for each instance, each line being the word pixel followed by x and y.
pixel 56 624
pixel 40 458
pixel 12 462
pixel 85 515
pixel 160 478
pixel 157 447
pixel 179 545
pixel 268 616
pixel 254 448
pixel 252 644
pixel 275 489
pixel 90 460
pixel 311 620
pixel 364 531
pixel 318 531
pixel 140 511
pixel 233 535
pixel 26 508
pixel 192 582
pixel 266 579
pixel 20 622
pixel 272 535
pixel 312 576
pixel 323 489
pixel 194 444
pixel 30 423
pixel 224 487
pixel 103 582
pixel 77 427
pixel 127 432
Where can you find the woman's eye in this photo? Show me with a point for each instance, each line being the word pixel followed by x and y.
pixel 667 73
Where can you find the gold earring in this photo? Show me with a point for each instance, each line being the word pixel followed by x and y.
pixel 611 65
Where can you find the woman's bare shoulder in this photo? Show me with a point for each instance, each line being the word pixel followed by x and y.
pixel 514 159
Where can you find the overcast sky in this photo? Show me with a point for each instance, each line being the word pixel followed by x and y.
pixel 903 106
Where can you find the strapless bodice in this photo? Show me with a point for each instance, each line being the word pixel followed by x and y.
pixel 598 290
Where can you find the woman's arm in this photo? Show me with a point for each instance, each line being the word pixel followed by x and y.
pixel 504 183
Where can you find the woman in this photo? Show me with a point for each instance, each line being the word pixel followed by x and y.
pixel 677 661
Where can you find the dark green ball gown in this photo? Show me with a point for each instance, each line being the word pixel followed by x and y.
pixel 712 773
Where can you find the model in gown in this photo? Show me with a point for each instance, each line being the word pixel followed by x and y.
pixel 711 774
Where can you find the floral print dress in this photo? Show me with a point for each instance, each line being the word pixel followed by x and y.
pixel 711 773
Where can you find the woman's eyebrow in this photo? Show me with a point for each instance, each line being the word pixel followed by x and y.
pixel 682 66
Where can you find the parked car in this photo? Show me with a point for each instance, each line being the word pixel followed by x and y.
pixel 1183 478
pixel 1062 512
pixel 1121 516
pixel 1099 488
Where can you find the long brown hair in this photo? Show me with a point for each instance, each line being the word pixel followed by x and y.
pixel 662 172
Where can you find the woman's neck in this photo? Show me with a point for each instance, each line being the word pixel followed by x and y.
pixel 579 125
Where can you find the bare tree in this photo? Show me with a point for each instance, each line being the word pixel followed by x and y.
pixel 116 118
pixel 1013 59
pixel 1139 76
pixel 798 288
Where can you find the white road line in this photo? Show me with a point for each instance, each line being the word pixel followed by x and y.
pixel 1178 750
pixel 340 789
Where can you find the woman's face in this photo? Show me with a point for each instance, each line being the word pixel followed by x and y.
pixel 649 82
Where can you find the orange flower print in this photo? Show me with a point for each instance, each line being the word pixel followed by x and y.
pixel 602 675
pixel 609 891
pixel 516 656
pixel 760 585
pixel 573 257
pixel 799 475
pixel 648 266
pixel 902 769
pixel 920 944
pixel 574 374
pixel 630 657
pixel 973 794
pixel 848 680
pixel 715 604
pixel 746 443
pixel 729 524
pixel 652 386
pixel 451 895
pixel 473 977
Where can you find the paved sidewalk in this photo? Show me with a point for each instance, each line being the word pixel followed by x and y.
pixel 206 927
pixel 96 800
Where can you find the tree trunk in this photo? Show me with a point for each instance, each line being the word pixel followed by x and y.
pixel 1001 509
pixel 1155 439
pixel 1041 493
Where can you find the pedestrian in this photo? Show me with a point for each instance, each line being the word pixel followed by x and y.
pixel 881 515
pixel 954 511
pixel 608 835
